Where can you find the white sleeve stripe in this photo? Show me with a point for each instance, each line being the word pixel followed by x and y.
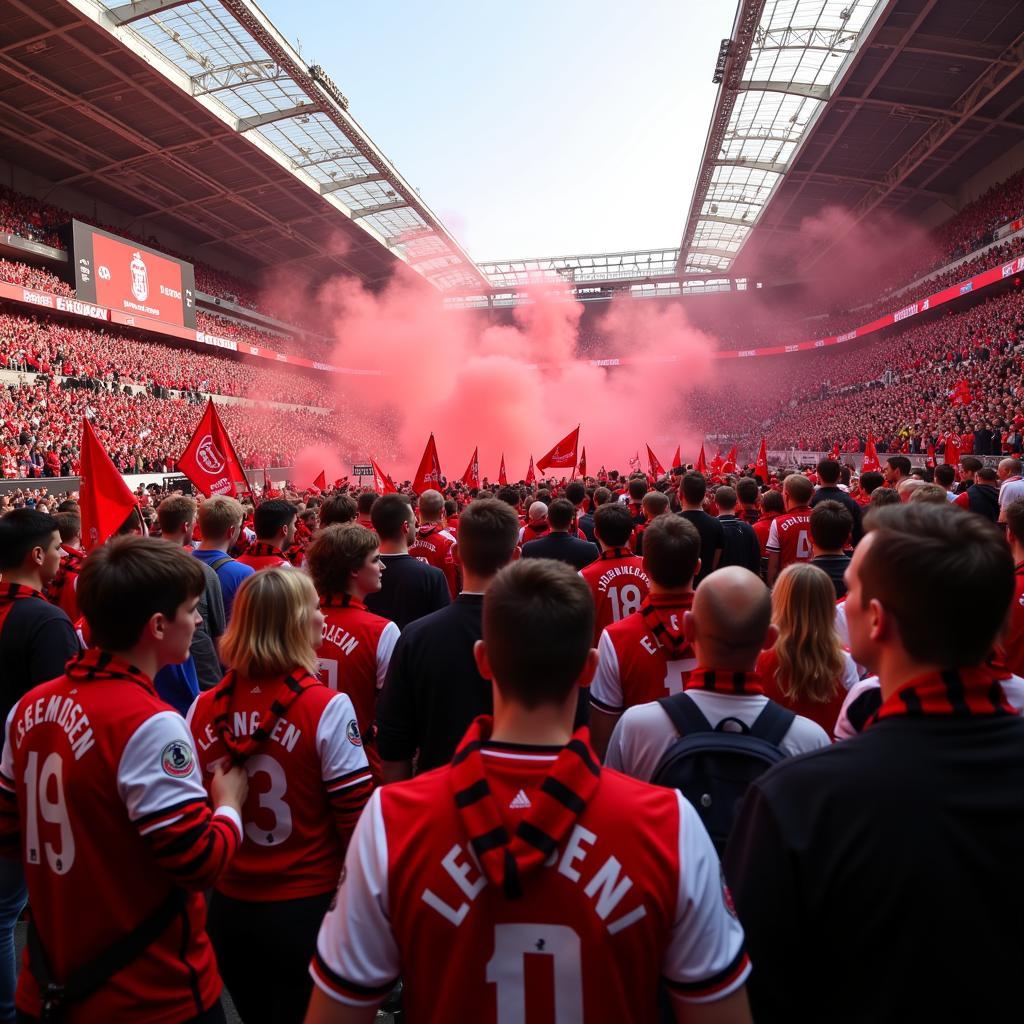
pixel 160 824
pixel 349 783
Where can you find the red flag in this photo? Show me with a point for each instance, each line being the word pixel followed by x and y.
pixel 702 462
pixel 471 478
pixel 870 456
pixel 583 462
pixel 656 468
pixel 428 475
pixel 677 461
pixel 340 482
pixel 834 454
pixel 382 483
pixel 930 460
pixel 502 476
pixel 106 500
pixel 563 455
pixel 717 463
pixel 530 477
pixel 321 481
pixel 761 466
pixel 729 466
pixel 209 460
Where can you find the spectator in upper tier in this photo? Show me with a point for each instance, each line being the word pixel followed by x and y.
pixel 558 543
pixel 831 525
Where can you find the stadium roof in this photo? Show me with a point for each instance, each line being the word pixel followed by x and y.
pixel 199 115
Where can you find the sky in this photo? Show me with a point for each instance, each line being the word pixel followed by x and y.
pixel 536 129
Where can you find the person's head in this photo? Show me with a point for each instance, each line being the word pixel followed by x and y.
pixel 829 472
pixel 274 522
pixel 220 520
pixel 871 481
pixel 141 592
pixel 908 486
pixel 69 505
pixel 919 569
pixel 1008 468
pixel 602 496
pixel 692 488
pixel 345 559
pixel 655 504
pixel 773 503
pixel 986 477
pixel 538 627
pixel 613 525
pixel 338 510
pixel 276 625
pixel 509 495
pixel 69 524
pixel 177 517
pixel 884 496
pixel 560 515
pixel 537 512
pixel 29 547
pixel 1013 513
pixel 488 533
pixel 575 492
pixel 365 503
pixel 797 491
pixel 930 492
pixel 969 465
pixel 808 647
pixel 747 491
pixel 725 499
pixel 897 468
pixel 394 519
pixel 831 524
pixel 637 489
pixel 731 620
pixel 671 552
pixel 431 507
pixel 945 475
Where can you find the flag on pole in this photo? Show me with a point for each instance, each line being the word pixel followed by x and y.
pixel 428 475
pixel 677 461
pixel 729 465
pixel 702 462
pixel 634 463
pixel 321 480
pixel 583 462
pixel 502 475
pixel 761 466
pixel 870 456
pixel 471 478
pixel 382 483
pixel 563 455
pixel 209 460
pixel 106 500
pixel 531 477
pixel 656 468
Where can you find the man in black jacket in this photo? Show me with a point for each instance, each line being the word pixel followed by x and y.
pixel 829 472
pixel 558 544
pixel 741 544
pixel 983 495
pixel 892 850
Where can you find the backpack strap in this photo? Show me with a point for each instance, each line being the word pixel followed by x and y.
pixel 773 723
pixel 684 714
pixel 220 562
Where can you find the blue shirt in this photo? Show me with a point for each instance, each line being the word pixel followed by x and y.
pixel 178 685
pixel 231 574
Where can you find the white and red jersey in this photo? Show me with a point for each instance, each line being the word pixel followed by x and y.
pixel 261 555
pixel 634 666
pixel 790 536
pixel 632 894
pixel 618 584
pixel 99 786
pixel 434 545
pixel 308 782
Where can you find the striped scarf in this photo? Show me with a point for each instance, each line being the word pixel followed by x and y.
pixel 261 549
pixel 341 601
pixel 717 681
pixel 243 747
pixel 559 801
pixel 614 554
pixel 70 565
pixel 956 692
pixel 95 665
pixel 673 642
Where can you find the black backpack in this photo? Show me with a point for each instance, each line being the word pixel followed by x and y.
pixel 712 766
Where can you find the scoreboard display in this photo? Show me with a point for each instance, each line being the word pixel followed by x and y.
pixel 132 278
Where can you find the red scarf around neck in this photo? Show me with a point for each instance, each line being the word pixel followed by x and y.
pixel 559 801
pixel 956 692
pixel 614 554
pixel 263 549
pixel 95 665
pixel 341 601
pixel 722 681
pixel 653 610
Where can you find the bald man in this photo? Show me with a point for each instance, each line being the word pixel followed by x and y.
pixel 727 628
pixel 907 486
pixel 537 523
pixel 1011 486
pixel 434 541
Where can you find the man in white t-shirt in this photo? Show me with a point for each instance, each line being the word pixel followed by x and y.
pixel 1011 486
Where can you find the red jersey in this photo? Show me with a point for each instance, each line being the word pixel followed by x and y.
pixel 264 556
pixel 630 894
pixel 762 528
pixel 434 546
pixel 618 583
pixel 634 666
pixel 1013 637
pixel 111 815
pixel 790 536
pixel 308 782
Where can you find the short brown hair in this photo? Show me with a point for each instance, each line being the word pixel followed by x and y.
pixel 69 524
pixel 339 509
pixel 389 515
pixel 336 552
pixel 930 565
pixel 671 550
pixel 124 583
pixel 798 487
pixel 488 532
pixel 831 524
pixel 538 627
pixel 218 515
pixel 613 524
pixel 174 512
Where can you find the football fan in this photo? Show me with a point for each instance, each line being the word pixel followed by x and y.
pixel 274 522
pixel 829 474
pixel 831 526
pixel 789 538
pixel 302 749
pixel 740 544
pixel 220 523
pixel 560 890
pixel 434 541
pixel 560 541
pixel 772 506
pixel 653 505
pixel 1012 641
pixel 61 590
pixel 693 489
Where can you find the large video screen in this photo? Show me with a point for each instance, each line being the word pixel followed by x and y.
pixel 132 278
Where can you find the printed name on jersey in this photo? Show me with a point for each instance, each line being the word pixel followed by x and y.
pixel 340 637
pixel 606 578
pixel 67 713
pixel 352 732
pixel 177 759
pixel 244 725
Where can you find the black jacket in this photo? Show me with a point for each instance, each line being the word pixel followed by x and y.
pixel 984 499
pixel 835 494
pixel 562 548
pixel 741 545
pixel 409 589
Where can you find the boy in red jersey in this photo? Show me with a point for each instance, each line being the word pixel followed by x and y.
pixel 98 781
pixel 356 648
pixel 434 541
pixel 617 579
pixel 789 538
pixel 274 521
pixel 560 890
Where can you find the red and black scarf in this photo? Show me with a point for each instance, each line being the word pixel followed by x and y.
pixel 615 554
pixel 240 748
pixel 559 801
pixel 95 665
pixel 675 644
pixel 70 565
pixel 955 692
pixel 745 684
pixel 261 549
pixel 341 601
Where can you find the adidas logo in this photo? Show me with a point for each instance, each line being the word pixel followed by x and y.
pixel 255 689
pixel 520 801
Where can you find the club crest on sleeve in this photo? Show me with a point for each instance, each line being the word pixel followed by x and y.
pixel 352 732
pixel 726 894
pixel 177 759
